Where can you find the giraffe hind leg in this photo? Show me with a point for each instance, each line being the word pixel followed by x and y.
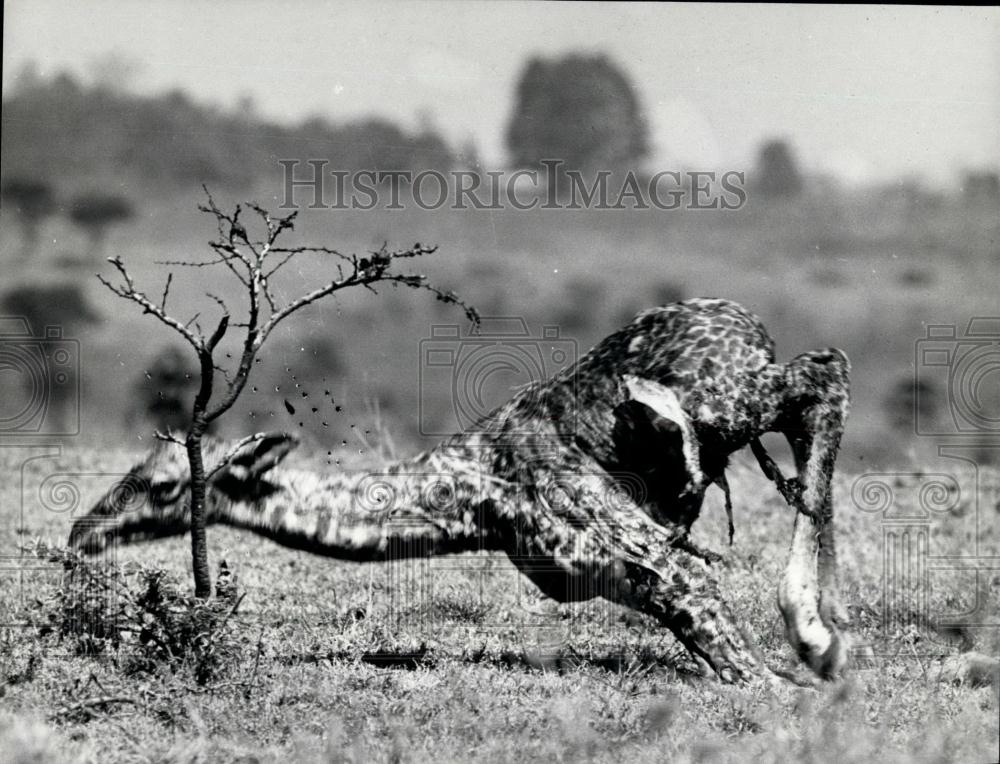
pixel 598 543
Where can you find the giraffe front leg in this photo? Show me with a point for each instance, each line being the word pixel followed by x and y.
pixel 811 631
pixel 814 431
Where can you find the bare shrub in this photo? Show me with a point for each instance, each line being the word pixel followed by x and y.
pixel 99 607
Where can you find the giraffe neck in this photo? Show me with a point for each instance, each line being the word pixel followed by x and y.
pixel 428 505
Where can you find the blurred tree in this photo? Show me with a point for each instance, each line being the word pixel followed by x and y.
pixel 65 307
pixel 33 201
pixel 48 304
pixel 114 71
pixel 580 109
pixel 982 187
pixel 165 391
pixel 468 155
pixel 777 171
pixel 908 401
pixel 96 212
pixel 27 78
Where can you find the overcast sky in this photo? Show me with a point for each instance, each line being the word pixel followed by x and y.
pixel 865 92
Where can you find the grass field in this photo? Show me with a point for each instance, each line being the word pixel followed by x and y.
pixel 459 659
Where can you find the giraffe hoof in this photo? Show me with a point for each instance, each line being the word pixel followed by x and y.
pixel 832 663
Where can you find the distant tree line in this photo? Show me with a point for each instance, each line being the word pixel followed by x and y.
pixel 579 109
pixel 61 128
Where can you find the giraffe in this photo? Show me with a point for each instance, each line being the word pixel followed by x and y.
pixel 589 482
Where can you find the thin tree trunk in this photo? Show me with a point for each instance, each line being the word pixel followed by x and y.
pixel 199 543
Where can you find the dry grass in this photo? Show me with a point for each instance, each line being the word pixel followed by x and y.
pixel 368 663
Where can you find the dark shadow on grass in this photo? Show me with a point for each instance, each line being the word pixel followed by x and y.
pixel 561 661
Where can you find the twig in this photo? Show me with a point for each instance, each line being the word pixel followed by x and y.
pixel 129 293
pixel 256 665
pixel 225 620
pixel 231 453
pixel 166 291
pixel 191 263
pixel 168 437
pixel 89 703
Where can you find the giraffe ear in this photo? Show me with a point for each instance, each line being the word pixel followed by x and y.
pixel 660 398
pixel 663 404
pixel 256 458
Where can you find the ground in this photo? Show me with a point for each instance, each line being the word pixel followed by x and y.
pixel 460 659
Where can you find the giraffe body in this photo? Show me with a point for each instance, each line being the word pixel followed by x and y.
pixel 590 482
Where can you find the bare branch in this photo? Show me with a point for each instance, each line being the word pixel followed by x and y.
pixel 317 250
pixel 219 301
pixel 166 291
pixel 231 453
pixel 274 228
pixel 218 334
pixel 229 254
pixel 236 229
pixel 129 292
pixel 168 437
pixel 190 263
pixel 268 297
pixel 281 264
pixel 223 370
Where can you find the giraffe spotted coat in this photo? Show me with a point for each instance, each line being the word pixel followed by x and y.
pixel 589 482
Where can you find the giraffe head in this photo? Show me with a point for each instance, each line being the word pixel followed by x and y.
pixel 153 499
